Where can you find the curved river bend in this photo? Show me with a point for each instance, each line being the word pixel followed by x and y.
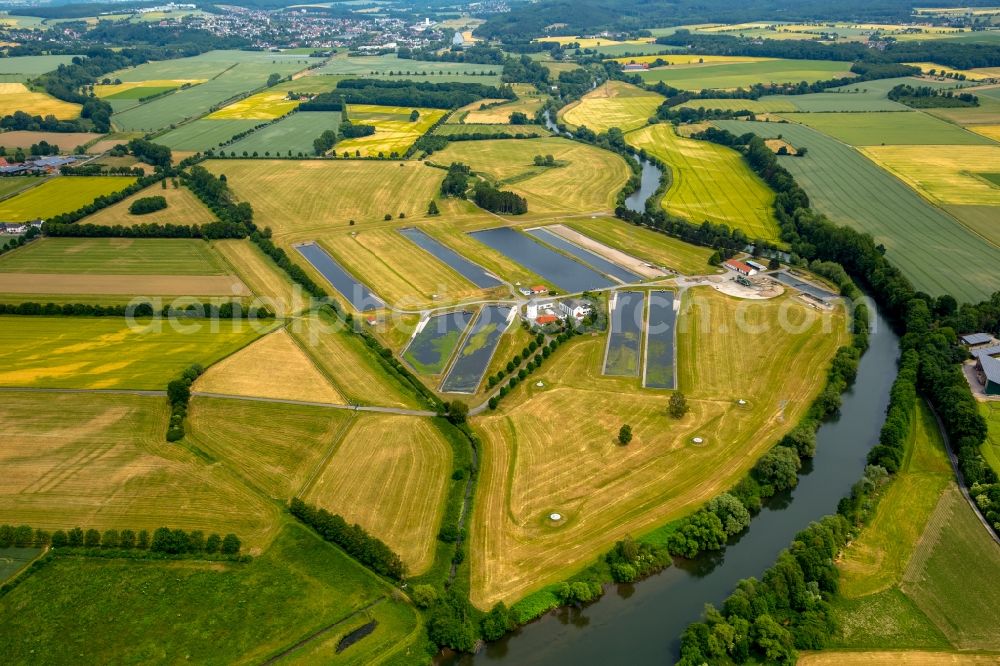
pixel 642 623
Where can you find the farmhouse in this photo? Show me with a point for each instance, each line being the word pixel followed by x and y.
pixel 740 267
pixel 544 319
pixel 576 307
pixel 759 266
pixel 534 291
pixel 635 66
pixel 988 369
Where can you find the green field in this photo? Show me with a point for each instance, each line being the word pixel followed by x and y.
pixel 13 560
pixel 710 182
pixel 217 613
pixel 204 134
pixel 115 256
pixel 931 248
pixel 60 195
pixel 873 129
pixel 292 135
pixel 656 248
pixel 22 68
pixel 80 352
pixel 745 74
pixel 379 67
pixel 13 184
pixel 991 447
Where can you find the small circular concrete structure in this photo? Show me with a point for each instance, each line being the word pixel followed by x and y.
pixel 539 385
pixel 742 402
pixel 698 440
pixel 555 516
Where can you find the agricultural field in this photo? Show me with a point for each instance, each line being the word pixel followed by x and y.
pixel 60 195
pixel 534 463
pixel 742 75
pixel 587 183
pixel 396 490
pixel 692 59
pixel 590 42
pixel 102 461
pixel 21 68
pixel 299 586
pixel 357 373
pixel 262 276
pixel 275 366
pixel 80 352
pixel 17 97
pixel 395 268
pixel 293 135
pixel 204 134
pixel 266 105
pixel 710 182
pixel 12 560
pixel 67 141
pixel 874 129
pixel 394 131
pixel 11 185
pixel 183 207
pixel 614 104
pixel 894 657
pixel 931 248
pixel 449 129
pixel 946 176
pixel 115 256
pixel 283 192
pixel 391 67
pixel 499 114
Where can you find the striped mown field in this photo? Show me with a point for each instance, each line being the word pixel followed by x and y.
pixel 613 104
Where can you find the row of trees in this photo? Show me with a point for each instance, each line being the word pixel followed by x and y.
pixel 533 363
pixel 226 310
pixel 178 395
pixel 925 97
pixel 419 94
pixel 163 540
pixel 365 548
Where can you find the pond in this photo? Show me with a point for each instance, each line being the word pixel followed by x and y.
pixel 360 296
pixel 431 347
pixel 477 275
pixel 659 369
pixel 592 259
pixel 649 180
pixel 477 350
pixel 621 358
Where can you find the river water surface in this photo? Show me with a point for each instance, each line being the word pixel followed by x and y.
pixel 642 623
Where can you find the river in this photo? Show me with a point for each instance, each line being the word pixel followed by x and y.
pixel 642 623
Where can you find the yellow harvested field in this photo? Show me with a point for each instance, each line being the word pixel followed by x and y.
pixel 66 141
pixel 353 367
pixel 710 182
pixel 990 131
pixel 943 175
pixel 272 367
pixel 115 88
pixel 895 658
pixel 536 462
pixel 17 97
pixel 614 104
pixel 262 106
pixel 299 200
pixel 279 453
pixel 392 485
pixel 263 277
pixel 394 131
pixel 183 207
pixel 500 114
pixel 692 59
pixel 586 183
pixel 396 269
pixel 590 42
pixel 140 285
pixel 101 461
pixel 941 70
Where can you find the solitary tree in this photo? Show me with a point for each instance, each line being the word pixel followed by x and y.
pixel 432 208
pixel 625 434
pixel 678 405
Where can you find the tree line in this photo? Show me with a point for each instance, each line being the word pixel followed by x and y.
pixel 365 548
pixel 925 97
pixel 419 94
pixel 495 200
pixel 226 310
pixel 475 54
pixel 163 540
pixel 179 395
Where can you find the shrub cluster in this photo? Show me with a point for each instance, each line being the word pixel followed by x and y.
pixel 490 198
pixel 147 205
pixel 179 394
pixel 360 545
pixel 349 130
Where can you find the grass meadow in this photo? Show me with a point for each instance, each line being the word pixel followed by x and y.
pixel 743 75
pixel 115 256
pixel 204 134
pixel 534 463
pixel 586 183
pixel 394 131
pixel 614 104
pixel 81 352
pixel 449 129
pixel 248 612
pixel 283 193
pixel 500 114
pixel 710 182
pixel 396 489
pixel 60 195
pixel 267 105
pixel 22 68
pixel 101 461
pixel 654 247
pixel 991 447
pixel 931 248
pixel 13 560
pixel 183 207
